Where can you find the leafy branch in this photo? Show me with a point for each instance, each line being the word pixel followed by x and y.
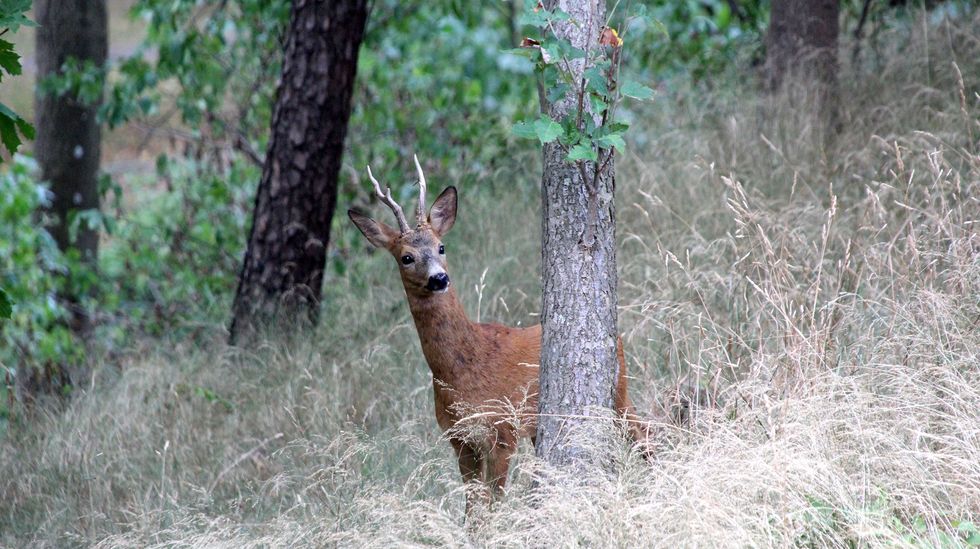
pixel 12 126
pixel 588 135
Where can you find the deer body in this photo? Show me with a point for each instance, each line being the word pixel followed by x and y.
pixel 484 376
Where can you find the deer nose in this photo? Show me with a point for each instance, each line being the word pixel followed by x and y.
pixel 437 282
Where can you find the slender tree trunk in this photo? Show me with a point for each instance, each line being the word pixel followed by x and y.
pixel 68 143
pixel 67 148
pixel 282 273
pixel 578 345
pixel 802 43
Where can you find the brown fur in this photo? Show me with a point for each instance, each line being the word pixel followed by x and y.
pixel 481 373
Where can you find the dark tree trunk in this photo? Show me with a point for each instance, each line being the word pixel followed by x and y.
pixel 282 273
pixel 68 143
pixel 802 43
pixel 579 367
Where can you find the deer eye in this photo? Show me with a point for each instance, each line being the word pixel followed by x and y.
pixel 407 260
pixel 442 250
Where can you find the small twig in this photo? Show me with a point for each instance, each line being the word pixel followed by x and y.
pixel 592 214
pixel 581 104
pixel 242 145
pixel 542 96
pixel 858 31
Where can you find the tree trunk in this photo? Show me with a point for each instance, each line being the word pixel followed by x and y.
pixel 282 273
pixel 802 43
pixel 68 143
pixel 578 311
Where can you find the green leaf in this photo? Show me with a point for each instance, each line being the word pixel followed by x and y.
pixel 25 128
pixel 533 18
pixel 612 140
pixel 6 306
pixel 637 91
pixel 723 17
pixel 557 92
pixel 617 127
pixel 8 131
pixel 596 81
pixel 524 129
pixel 10 123
pixel 12 14
pixel 522 52
pixel 547 129
pixel 583 151
pixel 598 105
pixel 9 60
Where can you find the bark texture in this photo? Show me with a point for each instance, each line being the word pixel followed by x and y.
pixel 68 143
pixel 67 148
pixel 578 345
pixel 282 274
pixel 802 43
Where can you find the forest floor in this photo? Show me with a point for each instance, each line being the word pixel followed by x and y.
pixel 821 294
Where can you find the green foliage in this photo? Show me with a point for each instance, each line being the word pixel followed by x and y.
pixel 12 126
pixel 173 256
pixel 6 305
pixel 433 79
pixel 438 79
pixel 969 531
pixel 590 131
pixel 31 269
pixel 81 80
pixel 224 58
pixel 12 14
pixel 170 259
pixel 700 38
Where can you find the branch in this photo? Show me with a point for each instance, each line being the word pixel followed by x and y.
pixel 858 31
pixel 242 145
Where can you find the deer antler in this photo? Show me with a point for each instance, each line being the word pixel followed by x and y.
pixel 386 198
pixel 420 211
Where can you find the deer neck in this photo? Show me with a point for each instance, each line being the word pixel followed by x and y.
pixel 447 336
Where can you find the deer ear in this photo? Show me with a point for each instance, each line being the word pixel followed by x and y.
pixel 443 212
pixel 377 233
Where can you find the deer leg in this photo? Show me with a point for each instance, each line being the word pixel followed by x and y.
pixel 638 429
pixel 471 467
pixel 498 465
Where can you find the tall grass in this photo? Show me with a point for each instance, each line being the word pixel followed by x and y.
pixel 824 302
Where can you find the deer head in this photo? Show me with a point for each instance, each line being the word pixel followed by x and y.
pixel 419 252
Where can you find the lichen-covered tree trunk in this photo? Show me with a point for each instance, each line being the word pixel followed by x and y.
pixel 282 273
pixel 68 140
pixel 802 43
pixel 578 311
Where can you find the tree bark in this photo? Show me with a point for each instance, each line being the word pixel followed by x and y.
pixel 68 138
pixel 802 43
pixel 579 367
pixel 282 274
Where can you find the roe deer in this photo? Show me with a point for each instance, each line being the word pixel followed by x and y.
pixel 475 367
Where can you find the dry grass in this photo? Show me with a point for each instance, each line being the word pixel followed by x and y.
pixel 826 302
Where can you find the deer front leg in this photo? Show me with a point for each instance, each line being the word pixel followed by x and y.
pixel 471 467
pixel 498 464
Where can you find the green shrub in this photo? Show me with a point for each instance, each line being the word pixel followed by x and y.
pixel 31 272
pixel 174 252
